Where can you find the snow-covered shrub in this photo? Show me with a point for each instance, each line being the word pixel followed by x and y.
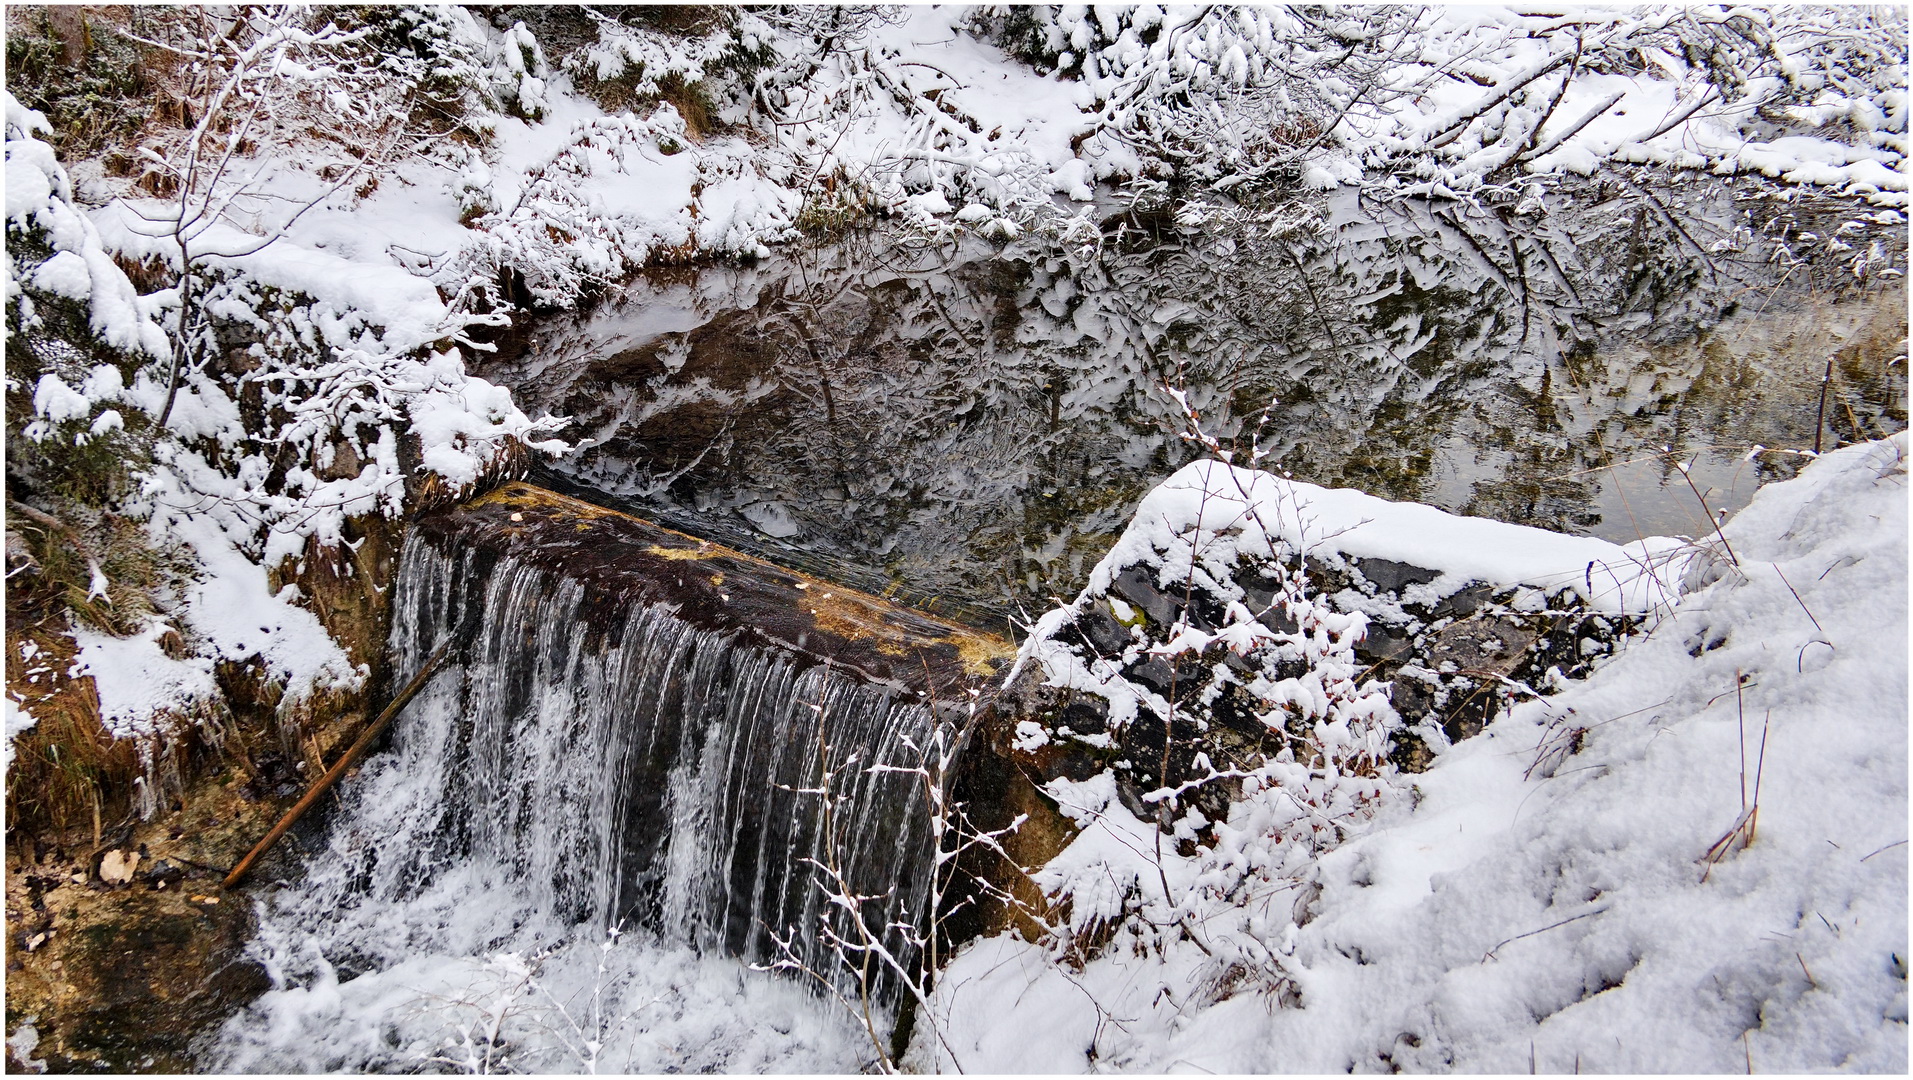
pixel 438 53
pixel 304 422
pixel 312 384
pixel 519 72
pixel 706 74
pixel 77 333
pixel 81 575
pixel 558 240
pixel 1214 95
pixel 1688 87
pixel 1445 102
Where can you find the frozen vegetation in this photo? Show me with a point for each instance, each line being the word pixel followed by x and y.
pixel 259 311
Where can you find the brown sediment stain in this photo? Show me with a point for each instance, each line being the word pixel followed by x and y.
pixel 984 652
pixel 680 554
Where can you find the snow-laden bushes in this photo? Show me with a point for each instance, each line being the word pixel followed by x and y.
pixel 659 138
pixel 568 233
pixel 1446 101
pixel 316 382
pixel 1214 96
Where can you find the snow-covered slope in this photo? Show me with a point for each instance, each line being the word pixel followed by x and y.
pixel 1574 889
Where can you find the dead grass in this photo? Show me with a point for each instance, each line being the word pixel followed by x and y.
pixel 1740 835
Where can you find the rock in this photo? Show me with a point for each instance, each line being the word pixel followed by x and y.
pixel 1385 644
pixel 1101 629
pixel 1491 645
pixel 1261 603
pixel 162 874
pixel 139 977
pixel 1184 678
pixel 1411 753
pixel 1085 717
pixel 118 866
pixel 1137 585
pixel 1414 692
pixel 621 560
pixel 1462 602
pixel 1390 576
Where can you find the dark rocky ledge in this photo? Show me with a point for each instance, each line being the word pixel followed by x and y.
pixel 624 560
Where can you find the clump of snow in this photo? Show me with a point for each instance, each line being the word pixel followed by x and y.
pixel 1259 511
pixel 40 198
pixel 18 721
pixel 1586 885
pixel 21 1044
pixel 137 682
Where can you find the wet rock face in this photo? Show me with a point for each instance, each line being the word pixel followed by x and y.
pixel 126 953
pixel 143 982
pixel 625 560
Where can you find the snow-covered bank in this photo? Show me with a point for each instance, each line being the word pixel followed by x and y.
pixel 353 370
pixel 1573 888
pixel 954 117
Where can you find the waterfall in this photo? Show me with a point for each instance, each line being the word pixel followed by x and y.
pixel 581 765
pixel 625 768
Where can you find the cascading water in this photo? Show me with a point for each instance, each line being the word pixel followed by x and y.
pixel 580 768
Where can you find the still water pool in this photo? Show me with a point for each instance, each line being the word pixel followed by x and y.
pixel 967 425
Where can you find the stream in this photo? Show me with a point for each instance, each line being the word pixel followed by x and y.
pixel 562 862
pixel 968 426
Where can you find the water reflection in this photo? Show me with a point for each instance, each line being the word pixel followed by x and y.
pixel 971 425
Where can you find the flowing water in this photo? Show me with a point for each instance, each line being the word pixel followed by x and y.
pixel 567 782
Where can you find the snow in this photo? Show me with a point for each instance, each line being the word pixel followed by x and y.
pixel 55 400
pixel 1544 893
pixel 18 721
pixel 138 684
pixel 21 1044
pixel 233 611
pixel 407 307
pixel 1259 507
pixel 638 1007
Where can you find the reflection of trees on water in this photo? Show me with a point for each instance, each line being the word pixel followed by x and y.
pixel 974 420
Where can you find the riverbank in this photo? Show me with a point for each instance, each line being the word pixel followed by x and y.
pixel 1692 861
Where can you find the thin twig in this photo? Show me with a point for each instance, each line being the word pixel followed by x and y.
pixel 1889 847
pixel 1490 955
